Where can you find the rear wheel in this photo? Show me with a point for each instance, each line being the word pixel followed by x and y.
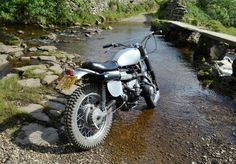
pixel 86 124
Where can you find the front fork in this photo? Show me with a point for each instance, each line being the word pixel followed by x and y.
pixel 149 68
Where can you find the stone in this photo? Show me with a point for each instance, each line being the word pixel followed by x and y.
pixel 69 91
pixel 55 113
pixel 30 67
pixel 55 105
pixel 110 28
pixel 39 71
pixel 88 35
pixel 20 32
pixel 4 49
pixel 33 49
pixel 48 58
pixel 36 111
pixel 31 83
pixel 48 79
pixel 25 59
pixel 17 54
pixel 11 75
pixel 57 99
pixel 56 68
pixel 47 48
pixel 36 134
pixel 50 36
pixel 3 59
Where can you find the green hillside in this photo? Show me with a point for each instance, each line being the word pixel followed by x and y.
pixel 216 15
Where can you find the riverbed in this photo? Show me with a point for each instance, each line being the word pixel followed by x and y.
pixel 187 113
pixel 191 124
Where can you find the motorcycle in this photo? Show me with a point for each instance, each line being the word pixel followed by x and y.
pixel 107 87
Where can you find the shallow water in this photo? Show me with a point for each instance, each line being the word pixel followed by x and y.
pixel 182 115
pixel 185 113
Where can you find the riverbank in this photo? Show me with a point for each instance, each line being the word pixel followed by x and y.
pixel 213 54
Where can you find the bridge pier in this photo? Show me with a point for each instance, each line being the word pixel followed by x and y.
pixel 208 49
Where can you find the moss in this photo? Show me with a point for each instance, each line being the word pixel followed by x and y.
pixel 12 94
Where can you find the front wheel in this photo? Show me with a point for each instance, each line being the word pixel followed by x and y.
pixel 86 124
pixel 151 94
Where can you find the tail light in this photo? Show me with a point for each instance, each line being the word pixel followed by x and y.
pixel 69 71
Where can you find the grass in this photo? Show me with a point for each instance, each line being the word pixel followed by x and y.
pixel 12 94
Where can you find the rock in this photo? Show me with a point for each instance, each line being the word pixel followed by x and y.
pixel 31 83
pixel 110 28
pixel 55 113
pixel 17 54
pixel 33 49
pixel 47 48
pixel 39 71
pixel 20 32
pixel 30 67
pixel 48 79
pixel 25 59
pixel 69 91
pixel 57 99
pixel 48 58
pixel 50 36
pixel 3 59
pixel 36 111
pixel 38 135
pixel 11 75
pixel 4 49
pixel 88 35
pixel 56 68
pixel 98 22
pixel 102 18
pixel 55 106
pixel 86 25
pixel 24 45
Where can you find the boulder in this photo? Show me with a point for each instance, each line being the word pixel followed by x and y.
pixel 31 83
pixel 36 134
pixel 50 36
pixel 48 79
pixel 39 71
pixel 30 67
pixel 56 68
pixel 33 49
pixel 48 58
pixel 55 106
pixel 36 111
pixel 3 59
pixel 61 100
pixel 11 75
pixel 4 49
pixel 47 48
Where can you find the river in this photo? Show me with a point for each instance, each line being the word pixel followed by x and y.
pixel 186 115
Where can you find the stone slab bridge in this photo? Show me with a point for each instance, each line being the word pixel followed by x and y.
pixel 207 45
pixel 229 39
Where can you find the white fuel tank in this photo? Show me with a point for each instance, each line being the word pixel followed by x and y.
pixel 128 56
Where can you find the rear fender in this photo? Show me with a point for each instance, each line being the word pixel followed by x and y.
pixel 80 72
pixel 114 87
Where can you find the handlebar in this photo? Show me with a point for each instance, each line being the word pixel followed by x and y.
pixel 143 42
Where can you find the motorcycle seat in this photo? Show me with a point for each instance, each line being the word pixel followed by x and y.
pixel 101 66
